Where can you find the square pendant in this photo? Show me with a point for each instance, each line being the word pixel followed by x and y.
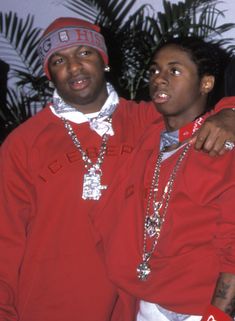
pixel 143 271
pixel 92 186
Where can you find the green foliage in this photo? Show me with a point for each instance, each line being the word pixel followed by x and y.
pixel 132 38
pixel 28 89
pixel 13 113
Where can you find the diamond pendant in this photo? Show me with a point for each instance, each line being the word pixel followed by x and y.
pixel 92 185
pixel 143 271
pixel 153 226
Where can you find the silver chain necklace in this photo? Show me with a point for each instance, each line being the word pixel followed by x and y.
pixel 92 179
pixel 156 212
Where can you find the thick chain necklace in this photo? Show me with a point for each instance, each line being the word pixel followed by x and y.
pixel 156 212
pixel 92 179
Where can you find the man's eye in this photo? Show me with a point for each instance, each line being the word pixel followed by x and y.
pixel 175 71
pixel 57 61
pixel 153 71
pixel 84 53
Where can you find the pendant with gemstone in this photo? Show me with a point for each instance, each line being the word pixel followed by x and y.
pixel 153 225
pixel 143 271
pixel 92 184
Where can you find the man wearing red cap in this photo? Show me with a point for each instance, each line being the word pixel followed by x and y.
pixel 54 169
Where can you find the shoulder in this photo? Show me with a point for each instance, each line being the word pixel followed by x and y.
pixel 38 121
pixel 137 112
pixel 224 103
pixel 134 106
pixel 27 132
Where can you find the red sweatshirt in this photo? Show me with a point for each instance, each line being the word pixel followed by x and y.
pixel 49 267
pixel 197 239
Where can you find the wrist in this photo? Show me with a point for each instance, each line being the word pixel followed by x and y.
pixel 212 313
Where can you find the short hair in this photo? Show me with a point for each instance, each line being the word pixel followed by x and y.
pixel 210 59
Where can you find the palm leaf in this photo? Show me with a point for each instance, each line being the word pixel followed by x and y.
pixel 20 39
pixel 135 36
pixel 84 8
pixel 18 43
pixel 13 113
pixel 28 90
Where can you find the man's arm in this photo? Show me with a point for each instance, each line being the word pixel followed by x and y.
pixel 224 295
pixel 217 129
pixel 222 303
pixel 14 213
pixel 222 307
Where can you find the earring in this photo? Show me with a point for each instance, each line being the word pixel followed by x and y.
pixel 107 69
pixel 207 88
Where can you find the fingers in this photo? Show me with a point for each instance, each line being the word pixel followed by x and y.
pixel 218 146
pixel 211 140
pixel 205 139
pixel 215 131
pixel 201 138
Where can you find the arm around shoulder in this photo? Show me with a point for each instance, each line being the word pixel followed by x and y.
pixel 218 129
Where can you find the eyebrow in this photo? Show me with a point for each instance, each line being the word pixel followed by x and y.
pixel 54 54
pixel 174 62
pixel 57 53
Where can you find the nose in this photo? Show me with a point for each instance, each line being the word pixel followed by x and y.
pixel 159 78
pixel 74 65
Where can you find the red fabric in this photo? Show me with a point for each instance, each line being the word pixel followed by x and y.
pixel 197 240
pixel 49 266
pixel 227 102
pixel 212 313
pixel 64 22
pixel 50 269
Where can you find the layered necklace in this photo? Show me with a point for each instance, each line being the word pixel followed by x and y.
pixel 92 186
pixel 157 205
pixel 156 212
pixel 102 124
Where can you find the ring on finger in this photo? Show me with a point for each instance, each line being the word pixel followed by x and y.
pixel 228 145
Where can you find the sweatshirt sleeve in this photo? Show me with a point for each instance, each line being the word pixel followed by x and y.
pixel 225 236
pixel 15 208
pixel 224 103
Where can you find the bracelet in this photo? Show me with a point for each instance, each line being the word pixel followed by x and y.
pixel 213 313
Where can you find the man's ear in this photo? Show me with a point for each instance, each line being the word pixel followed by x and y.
pixel 207 84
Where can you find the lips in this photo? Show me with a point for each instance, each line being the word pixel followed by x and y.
pixel 160 97
pixel 79 83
